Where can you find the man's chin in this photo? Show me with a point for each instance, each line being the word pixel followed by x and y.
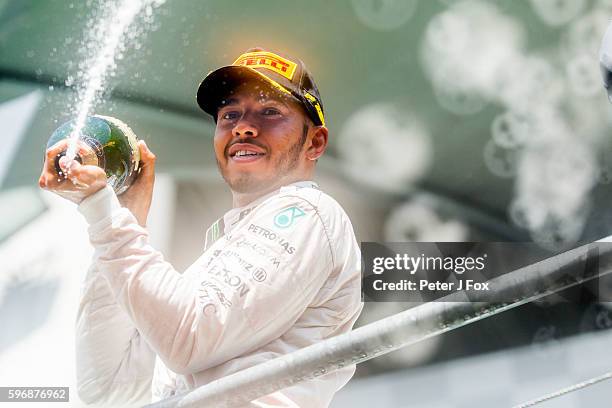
pixel 247 183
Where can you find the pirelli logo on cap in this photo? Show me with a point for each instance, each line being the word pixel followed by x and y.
pixel 268 60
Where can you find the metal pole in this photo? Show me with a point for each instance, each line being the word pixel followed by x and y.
pixel 529 283
pixel 566 390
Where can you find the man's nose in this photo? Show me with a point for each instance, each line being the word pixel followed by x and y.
pixel 245 129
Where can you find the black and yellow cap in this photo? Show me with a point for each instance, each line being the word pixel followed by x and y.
pixel 282 73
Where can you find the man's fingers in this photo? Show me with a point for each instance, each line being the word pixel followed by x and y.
pixel 75 181
pixel 50 181
pixel 63 163
pixel 146 155
pixel 45 181
pixel 147 159
pixel 82 176
pixel 57 149
pixel 85 172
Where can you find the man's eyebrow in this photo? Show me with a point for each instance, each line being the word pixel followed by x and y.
pixel 228 101
pixel 281 101
pixel 262 99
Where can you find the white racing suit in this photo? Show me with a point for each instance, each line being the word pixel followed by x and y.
pixel 277 275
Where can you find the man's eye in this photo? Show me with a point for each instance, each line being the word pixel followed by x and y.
pixel 271 111
pixel 229 115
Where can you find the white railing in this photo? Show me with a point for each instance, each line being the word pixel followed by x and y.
pixel 403 329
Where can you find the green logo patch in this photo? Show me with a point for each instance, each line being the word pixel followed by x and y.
pixel 286 217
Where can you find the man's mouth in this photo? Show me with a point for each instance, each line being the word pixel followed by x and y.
pixel 243 153
pixel 246 156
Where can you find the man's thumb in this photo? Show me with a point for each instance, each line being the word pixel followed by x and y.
pixel 146 157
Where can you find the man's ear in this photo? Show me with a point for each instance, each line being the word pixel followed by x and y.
pixel 318 142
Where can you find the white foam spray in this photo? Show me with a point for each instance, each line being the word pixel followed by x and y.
pixel 108 34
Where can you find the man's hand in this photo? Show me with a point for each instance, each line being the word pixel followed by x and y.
pixel 138 197
pixel 78 181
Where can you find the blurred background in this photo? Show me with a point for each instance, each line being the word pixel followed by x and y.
pixel 449 121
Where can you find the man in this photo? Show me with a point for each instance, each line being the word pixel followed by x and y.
pixel 280 271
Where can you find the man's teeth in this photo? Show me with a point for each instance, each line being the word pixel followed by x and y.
pixel 246 153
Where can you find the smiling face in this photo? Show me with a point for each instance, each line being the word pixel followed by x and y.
pixel 263 140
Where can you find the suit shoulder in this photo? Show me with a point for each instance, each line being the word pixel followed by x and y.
pixel 316 198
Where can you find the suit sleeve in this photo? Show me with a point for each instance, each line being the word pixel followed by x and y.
pixel 114 364
pixel 246 291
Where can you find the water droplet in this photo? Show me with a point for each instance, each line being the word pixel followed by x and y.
pixel 374 162
pixel 386 15
pixel 500 161
pixel 510 130
pixel 558 12
pixel 603 320
pixel 583 76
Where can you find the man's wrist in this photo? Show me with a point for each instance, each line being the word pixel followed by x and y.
pixel 99 205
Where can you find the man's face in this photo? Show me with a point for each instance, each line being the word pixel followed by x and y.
pixel 259 138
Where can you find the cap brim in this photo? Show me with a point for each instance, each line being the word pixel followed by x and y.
pixel 221 83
